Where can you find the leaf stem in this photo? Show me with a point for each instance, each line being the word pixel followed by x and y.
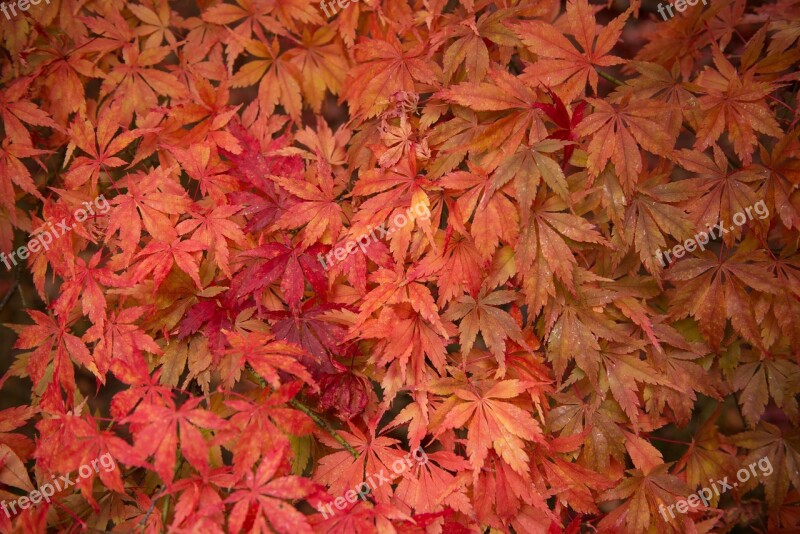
pixel 610 78
pixel 319 421
pixel 165 512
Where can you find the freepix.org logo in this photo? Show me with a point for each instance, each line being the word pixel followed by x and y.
pixel 705 494
pixel 23 5
pixel 48 232
pixel 48 489
pixel 340 252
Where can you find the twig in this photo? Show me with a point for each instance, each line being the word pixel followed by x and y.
pixel 143 522
pixel 11 291
pixel 319 421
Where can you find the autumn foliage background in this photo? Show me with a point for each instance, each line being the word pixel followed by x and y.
pixel 558 377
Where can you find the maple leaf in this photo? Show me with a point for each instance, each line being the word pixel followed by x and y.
pixel 211 316
pixel 340 471
pixel 158 257
pixel 617 133
pixel 13 473
pixel 199 504
pixel 452 139
pixel 561 66
pixel 656 83
pixel 311 326
pixel 323 142
pixel 493 423
pixel 575 484
pixel 566 122
pixel 493 219
pixel 461 261
pixel 501 93
pixel 784 304
pixel 714 289
pixel 264 416
pixel 431 486
pixel 782 451
pixel 784 172
pixel 144 387
pixel 482 314
pixel 270 496
pixel 724 193
pixel 16 111
pixel 344 392
pixel 511 494
pixel 204 165
pixel 652 213
pixel 12 419
pixel 399 187
pixel 601 421
pixel 680 41
pixel 99 141
pixel 149 202
pixel 75 441
pixel 156 25
pixel 255 168
pixel 361 517
pixel 159 429
pixel 209 116
pixel 682 368
pixel 65 68
pixel 266 355
pixel 735 103
pixel 757 380
pixel 48 335
pixel 541 246
pixel 644 494
pixel 136 84
pixel 13 171
pixel 321 64
pixel 291 264
pixel 257 18
pixel 624 370
pixel 277 77
pixel 317 212
pixel 528 167
pixel 409 337
pixel 85 285
pixel 213 229
pixel 383 69
pixel 704 460
pixel 469 47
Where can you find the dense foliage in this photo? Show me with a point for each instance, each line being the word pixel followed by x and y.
pixel 321 238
